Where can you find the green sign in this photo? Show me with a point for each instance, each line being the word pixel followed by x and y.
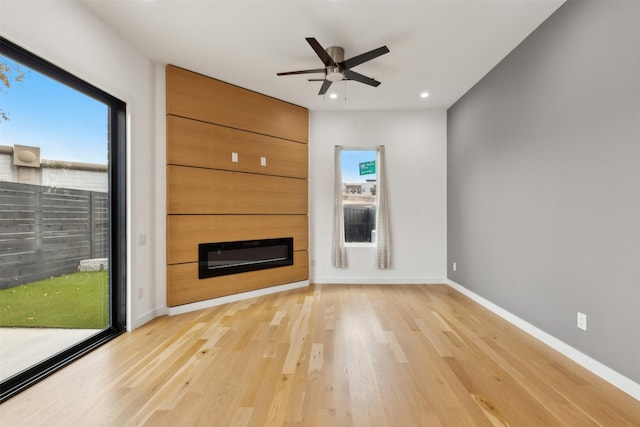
pixel 367 168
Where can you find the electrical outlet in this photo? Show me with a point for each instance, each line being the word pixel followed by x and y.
pixel 234 157
pixel 455 267
pixel 140 293
pixel 582 321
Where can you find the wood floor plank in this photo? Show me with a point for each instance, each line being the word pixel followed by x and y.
pixel 327 355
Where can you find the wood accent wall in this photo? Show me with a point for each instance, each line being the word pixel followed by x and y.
pixel 210 198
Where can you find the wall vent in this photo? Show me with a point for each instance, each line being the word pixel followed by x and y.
pixel 24 155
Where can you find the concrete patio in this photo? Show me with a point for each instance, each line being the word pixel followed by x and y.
pixel 21 348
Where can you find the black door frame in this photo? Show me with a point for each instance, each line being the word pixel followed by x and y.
pixel 117 223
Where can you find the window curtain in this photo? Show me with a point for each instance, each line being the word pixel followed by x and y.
pixel 338 252
pixel 383 249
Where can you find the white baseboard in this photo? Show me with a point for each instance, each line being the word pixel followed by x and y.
pixel 186 308
pixel 141 320
pixel 381 280
pixel 618 380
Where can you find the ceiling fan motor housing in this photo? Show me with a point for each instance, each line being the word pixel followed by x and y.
pixel 335 74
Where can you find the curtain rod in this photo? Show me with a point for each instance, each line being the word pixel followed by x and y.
pixel 360 147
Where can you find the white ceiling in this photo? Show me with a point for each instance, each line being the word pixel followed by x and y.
pixel 443 47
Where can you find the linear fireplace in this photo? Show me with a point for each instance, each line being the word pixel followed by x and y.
pixel 221 258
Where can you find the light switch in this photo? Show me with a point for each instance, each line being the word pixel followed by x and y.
pixel 263 161
pixel 234 157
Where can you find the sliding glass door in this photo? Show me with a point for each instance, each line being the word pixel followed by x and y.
pixel 62 218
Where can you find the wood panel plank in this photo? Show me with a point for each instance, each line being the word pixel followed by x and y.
pixel 195 143
pixel 203 98
pixel 185 232
pixel 207 191
pixel 183 285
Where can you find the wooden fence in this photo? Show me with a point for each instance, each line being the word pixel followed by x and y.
pixel 359 221
pixel 47 231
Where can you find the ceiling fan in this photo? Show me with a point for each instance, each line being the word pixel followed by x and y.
pixel 336 68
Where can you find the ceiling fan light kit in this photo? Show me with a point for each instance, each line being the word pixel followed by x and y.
pixel 334 76
pixel 336 68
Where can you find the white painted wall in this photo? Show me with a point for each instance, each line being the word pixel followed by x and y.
pixel 416 145
pixel 70 36
pixel 77 179
pixel 8 172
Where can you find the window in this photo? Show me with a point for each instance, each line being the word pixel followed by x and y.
pixel 359 183
pixel 62 217
pixel 367 198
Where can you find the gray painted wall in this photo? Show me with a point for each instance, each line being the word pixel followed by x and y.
pixel 544 181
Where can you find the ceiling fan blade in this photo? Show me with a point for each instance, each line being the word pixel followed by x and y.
pixel 368 56
pixel 289 73
pixel 324 56
pixel 325 87
pixel 352 75
pixel 321 80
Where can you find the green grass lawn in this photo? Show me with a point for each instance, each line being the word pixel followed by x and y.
pixel 77 300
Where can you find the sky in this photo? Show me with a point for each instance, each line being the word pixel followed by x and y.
pixel 64 123
pixel 350 161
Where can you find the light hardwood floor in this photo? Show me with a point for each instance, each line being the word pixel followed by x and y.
pixel 330 355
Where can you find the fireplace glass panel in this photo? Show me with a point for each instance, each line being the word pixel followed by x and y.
pixel 221 258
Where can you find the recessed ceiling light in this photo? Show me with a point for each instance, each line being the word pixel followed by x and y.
pixel 424 95
pixel 333 95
